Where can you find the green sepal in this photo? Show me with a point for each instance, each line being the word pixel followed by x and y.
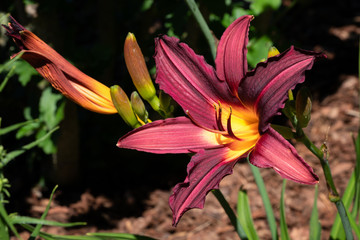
pixel 303 107
pixel 286 132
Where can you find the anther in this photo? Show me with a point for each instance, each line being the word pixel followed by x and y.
pixel 229 128
pixel 203 127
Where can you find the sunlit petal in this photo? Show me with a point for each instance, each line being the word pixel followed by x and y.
pixel 273 151
pixel 173 135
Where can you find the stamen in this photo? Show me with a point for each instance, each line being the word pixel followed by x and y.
pixel 229 128
pixel 203 127
pixel 219 118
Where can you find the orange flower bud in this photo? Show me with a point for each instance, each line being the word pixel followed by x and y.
pixel 62 75
pixel 139 73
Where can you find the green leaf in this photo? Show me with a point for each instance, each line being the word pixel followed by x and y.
pixel 27 113
pixel 146 5
pixel 28 129
pixel 122 236
pixel 353 224
pixel 244 215
pixel 9 64
pixel 356 207
pixel 48 236
pixel 6 221
pixel 36 231
pixel 47 145
pixel 230 213
pixel 4 234
pixel 259 6
pixel 284 235
pixel 286 132
pixel 6 79
pixel 48 107
pixel 315 226
pixel 303 107
pixel 266 201
pixel 25 72
pixel 29 220
pixel 11 155
pixel 15 126
pixel 258 49
pixel 337 230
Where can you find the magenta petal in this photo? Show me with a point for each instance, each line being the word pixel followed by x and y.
pixel 266 88
pixel 172 135
pixel 189 80
pixel 231 63
pixel 273 151
pixel 205 171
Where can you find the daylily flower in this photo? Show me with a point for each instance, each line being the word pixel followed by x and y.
pixel 228 113
pixel 62 75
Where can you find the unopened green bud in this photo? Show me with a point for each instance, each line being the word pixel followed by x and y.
pixel 303 107
pixel 123 106
pixel 138 106
pixel 165 104
pixel 139 73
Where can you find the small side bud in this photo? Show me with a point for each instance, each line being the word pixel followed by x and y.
pixel 123 106
pixel 139 73
pixel 303 107
pixel 138 106
pixel 273 52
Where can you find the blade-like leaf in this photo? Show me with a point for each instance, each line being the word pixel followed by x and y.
pixel 266 201
pixel 356 206
pixel 283 226
pixel 36 231
pixel 9 63
pixel 15 126
pixel 6 220
pixel 4 234
pixel 228 210
pixel 315 226
pixel 121 236
pixel 337 230
pixel 6 79
pixel 353 224
pixel 90 236
pixel 48 236
pixel 30 220
pixel 11 155
pixel 244 215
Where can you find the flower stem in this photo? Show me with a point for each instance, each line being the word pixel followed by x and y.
pixel 203 25
pixel 333 194
pixel 233 219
